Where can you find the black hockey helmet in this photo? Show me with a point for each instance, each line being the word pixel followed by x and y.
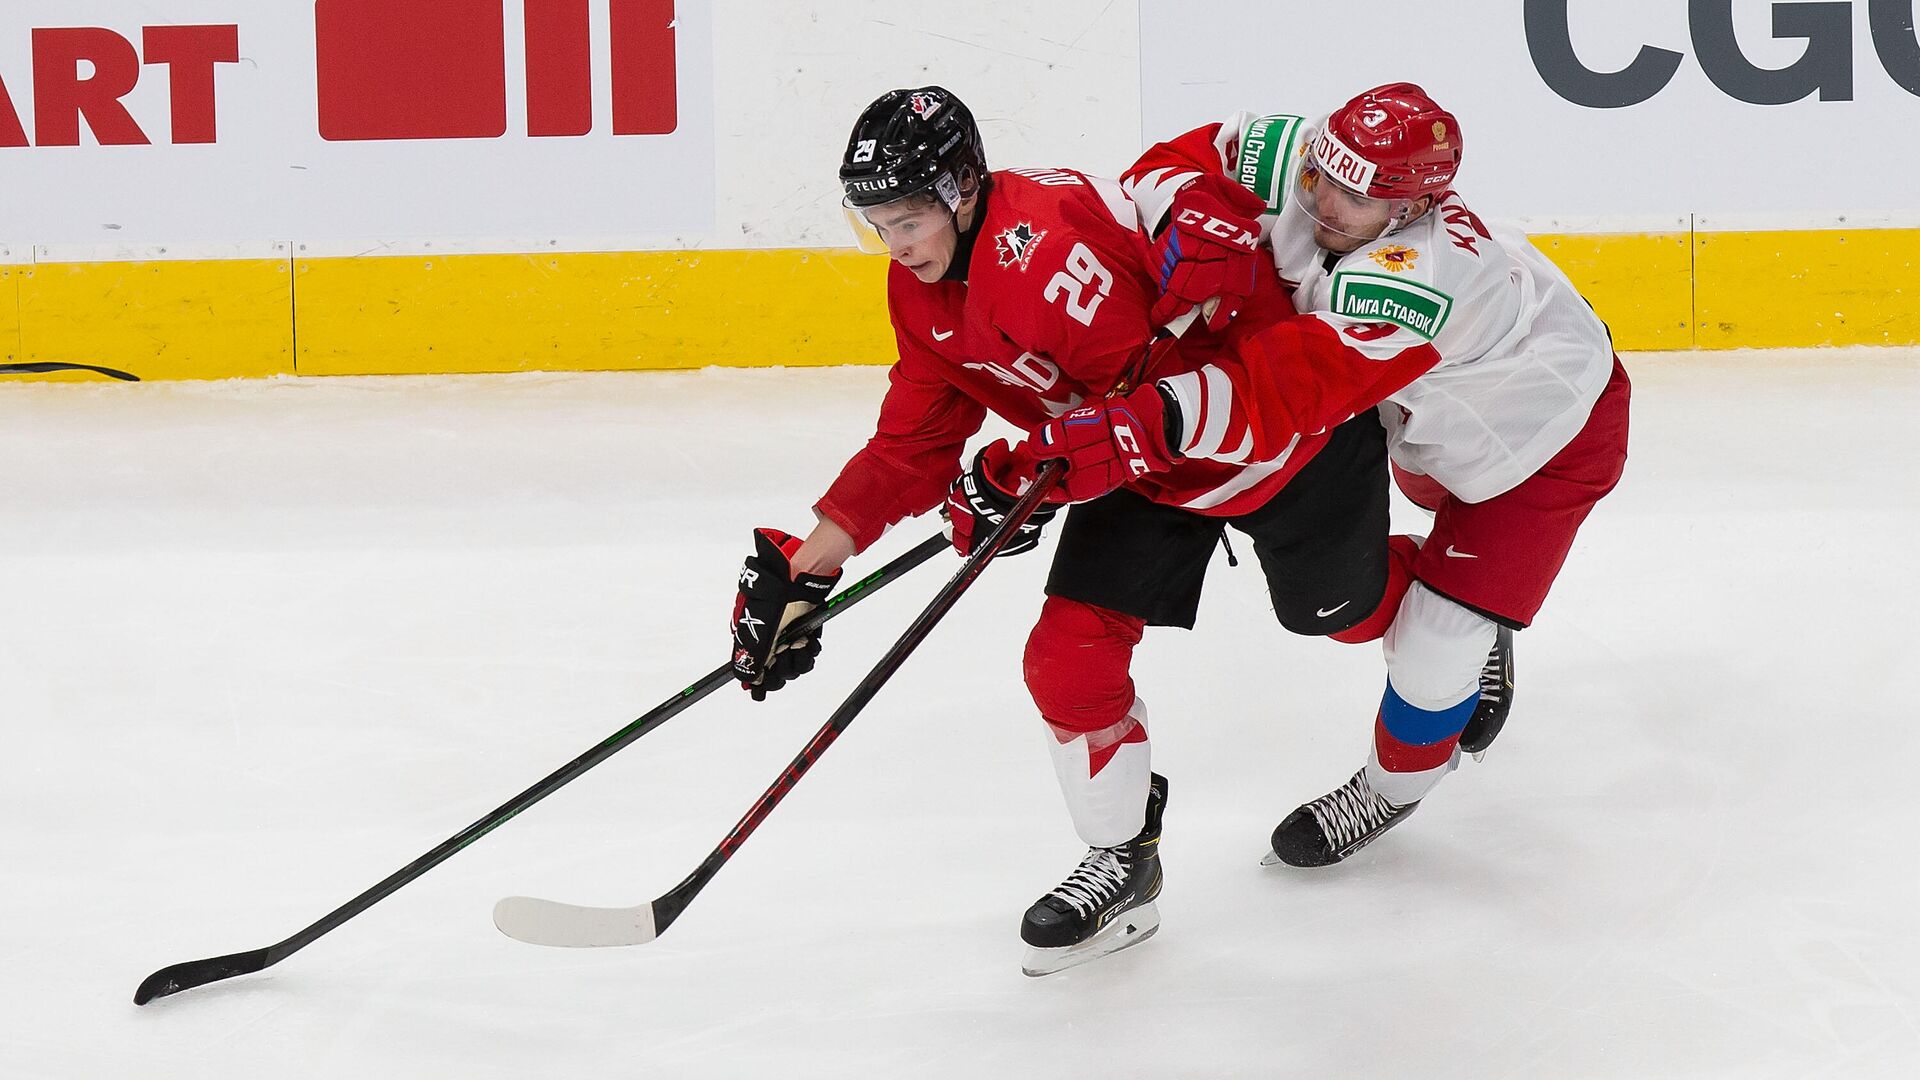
pixel 910 141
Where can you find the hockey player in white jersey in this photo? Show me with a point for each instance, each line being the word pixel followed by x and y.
pixel 1504 405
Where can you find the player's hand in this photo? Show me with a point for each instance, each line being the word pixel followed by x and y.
pixel 771 596
pixel 979 501
pixel 1210 249
pixel 1105 445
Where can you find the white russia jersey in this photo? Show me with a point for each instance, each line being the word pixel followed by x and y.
pixel 1522 356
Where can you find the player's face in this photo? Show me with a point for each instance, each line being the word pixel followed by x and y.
pixel 1344 219
pixel 919 236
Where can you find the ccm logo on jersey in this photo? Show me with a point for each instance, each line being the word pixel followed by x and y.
pixel 1225 230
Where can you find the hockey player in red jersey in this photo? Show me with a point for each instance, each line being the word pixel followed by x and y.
pixel 1028 293
pixel 1504 405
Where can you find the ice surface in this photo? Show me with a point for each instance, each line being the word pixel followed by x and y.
pixel 262 643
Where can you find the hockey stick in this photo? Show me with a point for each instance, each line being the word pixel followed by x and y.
pixel 548 922
pixel 186 976
pixel 46 366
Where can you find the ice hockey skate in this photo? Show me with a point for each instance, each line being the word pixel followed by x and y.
pixel 1496 697
pixel 1104 906
pixel 1335 825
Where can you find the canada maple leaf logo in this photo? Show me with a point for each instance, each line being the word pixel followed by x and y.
pixel 1015 246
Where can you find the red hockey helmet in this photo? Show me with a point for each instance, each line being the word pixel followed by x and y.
pixel 1392 142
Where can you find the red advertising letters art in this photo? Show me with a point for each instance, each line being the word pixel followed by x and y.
pixel 63 97
pixel 385 70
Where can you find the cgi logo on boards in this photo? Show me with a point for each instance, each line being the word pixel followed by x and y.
pixel 1826 67
pixel 391 70
pixel 62 96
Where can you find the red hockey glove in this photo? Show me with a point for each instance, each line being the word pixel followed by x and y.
pixel 1105 445
pixel 1209 248
pixel 979 501
pixel 771 596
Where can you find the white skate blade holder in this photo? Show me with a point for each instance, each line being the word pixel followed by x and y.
pixel 1130 928
pixel 570 926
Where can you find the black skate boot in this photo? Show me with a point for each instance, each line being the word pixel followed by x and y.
pixel 1335 825
pixel 1105 905
pixel 1496 697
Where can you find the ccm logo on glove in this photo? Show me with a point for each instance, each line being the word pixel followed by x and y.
pixel 1213 226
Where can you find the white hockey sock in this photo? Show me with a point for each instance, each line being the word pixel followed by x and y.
pixel 1402 788
pixel 1109 807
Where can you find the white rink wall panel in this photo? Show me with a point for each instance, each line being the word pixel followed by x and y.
pixel 250 187
pixel 304 121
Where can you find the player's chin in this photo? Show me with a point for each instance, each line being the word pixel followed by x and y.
pixel 1337 242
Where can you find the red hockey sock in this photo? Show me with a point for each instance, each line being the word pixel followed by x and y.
pixel 1400 554
pixel 1077 663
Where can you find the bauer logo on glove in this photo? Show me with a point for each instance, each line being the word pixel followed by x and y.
pixel 771 597
pixel 981 499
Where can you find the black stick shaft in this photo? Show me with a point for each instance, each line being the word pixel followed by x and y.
pixel 45 366
pixel 669 906
pixel 178 977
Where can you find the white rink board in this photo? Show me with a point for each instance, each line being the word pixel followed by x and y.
pixel 1535 156
pixel 767 92
pixel 271 176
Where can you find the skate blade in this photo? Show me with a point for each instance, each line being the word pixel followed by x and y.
pixel 1479 756
pixel 1271 858
pixel 1129 929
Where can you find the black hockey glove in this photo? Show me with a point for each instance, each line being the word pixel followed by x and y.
pixel 771 596
pixel 977 503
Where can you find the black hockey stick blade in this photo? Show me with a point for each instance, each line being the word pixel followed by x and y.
pixel 177 977
pixel 549 922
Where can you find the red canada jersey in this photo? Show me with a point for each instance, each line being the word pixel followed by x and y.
pixel 1054 311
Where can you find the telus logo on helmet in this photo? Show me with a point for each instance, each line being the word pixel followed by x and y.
pixel 1825 67
pixel 438 71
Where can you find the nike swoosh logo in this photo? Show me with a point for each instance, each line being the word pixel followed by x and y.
pixel 1452 554
pixel 938 336
pixel 1331 610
